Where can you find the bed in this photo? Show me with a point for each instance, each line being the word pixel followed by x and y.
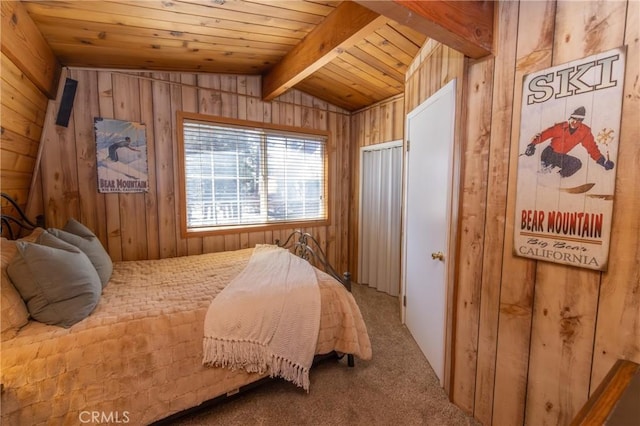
pixel 138 357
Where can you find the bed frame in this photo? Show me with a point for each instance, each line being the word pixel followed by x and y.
pixel 308 248
pixel 22 222
pixel 300 243
pixel 14 223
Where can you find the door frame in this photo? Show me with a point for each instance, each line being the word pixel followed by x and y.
pixel 452 248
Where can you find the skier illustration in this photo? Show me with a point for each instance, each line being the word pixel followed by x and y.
pixel 113 148
pixel 564 137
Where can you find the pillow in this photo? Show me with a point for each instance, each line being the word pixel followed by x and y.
pixel 80 236
pixel 13 311
pixel 56 280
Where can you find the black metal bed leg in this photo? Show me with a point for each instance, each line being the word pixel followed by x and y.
pixel 346 280
pixel 350 360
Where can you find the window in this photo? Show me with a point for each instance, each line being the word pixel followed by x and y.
pixel 236 174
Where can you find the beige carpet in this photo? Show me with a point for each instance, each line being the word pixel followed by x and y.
pixel 397 387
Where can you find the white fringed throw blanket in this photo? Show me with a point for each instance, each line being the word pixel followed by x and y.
pixel 267 318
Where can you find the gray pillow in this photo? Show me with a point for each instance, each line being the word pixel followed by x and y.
pixel 56 280
pixel 80 236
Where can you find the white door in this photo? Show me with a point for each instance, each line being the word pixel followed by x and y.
pixel 427 220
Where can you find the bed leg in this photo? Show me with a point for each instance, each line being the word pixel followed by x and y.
pixel 347 283
pixel 346 278
pixel 350 361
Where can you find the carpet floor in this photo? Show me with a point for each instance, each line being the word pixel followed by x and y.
pixel 396 387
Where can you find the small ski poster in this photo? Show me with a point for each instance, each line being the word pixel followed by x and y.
pixel 121 150
pixel 567 163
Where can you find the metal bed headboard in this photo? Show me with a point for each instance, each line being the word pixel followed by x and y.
pixel 307 247
pixel 22 222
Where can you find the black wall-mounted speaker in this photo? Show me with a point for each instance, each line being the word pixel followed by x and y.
pixel 66 103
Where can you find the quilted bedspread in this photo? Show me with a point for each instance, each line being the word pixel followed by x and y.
pixel 138 356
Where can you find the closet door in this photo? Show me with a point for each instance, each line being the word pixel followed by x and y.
pixel 380 217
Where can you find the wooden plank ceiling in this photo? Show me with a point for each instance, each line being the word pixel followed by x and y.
pixel 341 52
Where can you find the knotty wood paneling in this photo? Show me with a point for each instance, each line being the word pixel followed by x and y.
pixel 564 314
pixel 435 66
pixel 478 88
pixel 24 44
pixel 496 200
pixel 22 108
pixel 147 226
pixel 517 282
pixel 618 321
pixel 533 339
pixel 236 37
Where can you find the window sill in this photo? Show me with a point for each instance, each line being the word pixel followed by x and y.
pixel 239 229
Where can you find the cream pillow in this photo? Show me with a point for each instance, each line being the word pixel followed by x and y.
pixel 13 311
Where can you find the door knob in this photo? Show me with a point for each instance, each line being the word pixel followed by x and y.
pixel 439 255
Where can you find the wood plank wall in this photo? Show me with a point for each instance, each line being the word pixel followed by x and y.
pixel 146 226
pixel 23 110
pixel 30 74
pixel 533 339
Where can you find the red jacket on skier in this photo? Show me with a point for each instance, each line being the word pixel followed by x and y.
pixel 564 137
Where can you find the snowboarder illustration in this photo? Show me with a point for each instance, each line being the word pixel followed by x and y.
pixel 113 148
pixel 564 137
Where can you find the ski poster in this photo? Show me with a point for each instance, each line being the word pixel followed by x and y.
pixel 121 150
pixel 567 163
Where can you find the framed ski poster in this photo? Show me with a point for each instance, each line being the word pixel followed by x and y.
pixel 568 147
pixel 121 150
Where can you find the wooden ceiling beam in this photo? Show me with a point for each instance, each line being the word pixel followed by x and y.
pixel 344 27
pixel 466 26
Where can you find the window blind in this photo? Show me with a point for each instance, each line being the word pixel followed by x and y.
pixel 247 176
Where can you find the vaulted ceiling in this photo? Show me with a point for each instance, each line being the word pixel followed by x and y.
pixel 349 53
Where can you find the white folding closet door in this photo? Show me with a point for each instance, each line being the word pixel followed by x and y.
pixel 380 217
